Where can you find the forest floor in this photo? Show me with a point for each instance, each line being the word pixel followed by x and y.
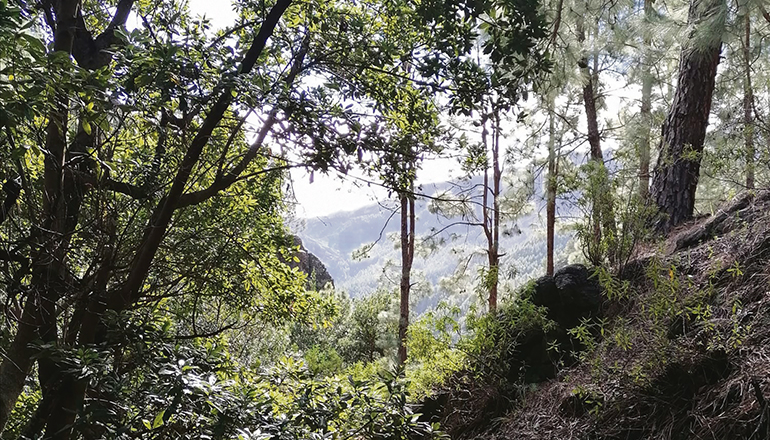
pixel 681 349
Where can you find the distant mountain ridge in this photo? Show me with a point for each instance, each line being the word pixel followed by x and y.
pixel 334 238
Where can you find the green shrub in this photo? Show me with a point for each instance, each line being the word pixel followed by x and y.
pixel 323 361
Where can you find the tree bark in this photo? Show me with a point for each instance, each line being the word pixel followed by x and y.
pixel 748 103
pixel 675 178
pixel 38 317
pixel 550 204
pixel 603 217
pixel 407 255
pixel 646 108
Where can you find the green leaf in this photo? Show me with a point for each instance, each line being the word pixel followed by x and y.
pixel 158 422
pixel 87 127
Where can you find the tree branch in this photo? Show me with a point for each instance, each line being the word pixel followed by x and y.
pixel 161 218
pixel 233 175
pixel 764 12
pixel 197 197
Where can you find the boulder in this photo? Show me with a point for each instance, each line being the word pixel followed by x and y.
pixel 570 295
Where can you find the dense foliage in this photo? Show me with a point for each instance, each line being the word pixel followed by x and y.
pixel 146 271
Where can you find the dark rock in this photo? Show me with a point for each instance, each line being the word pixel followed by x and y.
pixel 432 408
pixel 531 361
pixel 318 276
pixel 569 295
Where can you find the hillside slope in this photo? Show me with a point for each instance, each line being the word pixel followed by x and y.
pixel 679 350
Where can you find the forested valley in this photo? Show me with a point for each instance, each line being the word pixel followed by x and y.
pixel 597 269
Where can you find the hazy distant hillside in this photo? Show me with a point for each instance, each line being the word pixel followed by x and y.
pixel 334 239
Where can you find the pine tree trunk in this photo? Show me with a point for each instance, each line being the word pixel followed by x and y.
pixel 646 109
pixel 675 178
pixel 493 251
pixel 748 104
pixel 550 206
pixel 603 216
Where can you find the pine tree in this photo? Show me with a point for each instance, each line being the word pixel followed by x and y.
pixel 676 174
pixel 748 96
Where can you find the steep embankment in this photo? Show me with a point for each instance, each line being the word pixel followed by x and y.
pixel 678 349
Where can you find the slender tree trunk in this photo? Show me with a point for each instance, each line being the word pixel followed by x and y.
pixel 407 254
pixel 550 204
pixel 494 245
pixel 675 178
pixel 490 211
pixel 646 110
pixel 552 180
pixel 17 360
pixel 603 216
pixel 748 103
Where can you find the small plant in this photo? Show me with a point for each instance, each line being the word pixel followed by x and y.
pixel 584 334
pixel 614 289
pixel 735 270
pixel 587 400
pixel 622 335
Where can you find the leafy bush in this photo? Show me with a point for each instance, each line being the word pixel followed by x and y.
pixel 323 361
pixel 512 345
pixel 432 355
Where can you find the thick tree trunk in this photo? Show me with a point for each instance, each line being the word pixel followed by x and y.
pixel 646 109
pixel 39 316
pixel 675 178
pixel 748 103
pixel 407 254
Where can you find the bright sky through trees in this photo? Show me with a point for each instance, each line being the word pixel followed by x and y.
pixel 335 192
pixel 322 195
